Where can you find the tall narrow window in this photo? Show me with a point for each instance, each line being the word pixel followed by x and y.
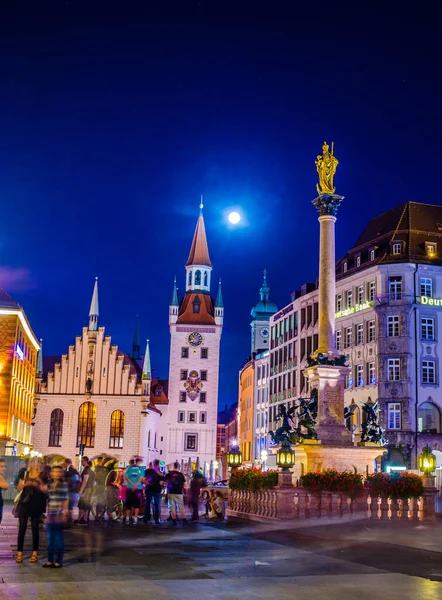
pixel 190 278
pixel 427 328
pixel 371 331
pixel 359 375
pixel 371 291
pixel 87 417
pixel 371 373
pixel 348 337
pixel 394 369
pixel 394 415
pixel 196 306
pixel 393 326
pixel 372 254
pixel 359 334
pixel 427 287
pixel 397 248
pixel 349 299
pixel 338 338
pixel 56 427
pixel 198 277
pixel 428 371
pixel 206 278
pixel 116 429
pixel 395 288
pixel 339 303
pixel 360 294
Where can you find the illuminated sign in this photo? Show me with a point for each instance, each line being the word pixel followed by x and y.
pixel 19 352
pixel 354 309
pixel 283 312
pixel 430 301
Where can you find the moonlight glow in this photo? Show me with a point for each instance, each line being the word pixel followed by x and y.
pixel 234 218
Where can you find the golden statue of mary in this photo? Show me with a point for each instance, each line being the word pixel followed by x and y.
pixel 326 166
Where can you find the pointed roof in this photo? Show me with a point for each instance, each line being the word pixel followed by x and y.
pixel 147 371
pixel 174 301
pixel 39 372
pixel 219 298
pixel 264 308
pixel 199 251
pixel 136 340
pixel 93 312
pixel 6 301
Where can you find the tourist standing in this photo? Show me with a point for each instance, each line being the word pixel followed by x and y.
pixel 175 483
pixel 72 479
pixel 133 479
pixel 57 515
pixel 197 482
pixel 153 478
pixel 31 505
pixel 3 485
pixel 86 489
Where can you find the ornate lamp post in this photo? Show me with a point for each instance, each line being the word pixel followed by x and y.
pixel 234 457
pixel 285 459
pixel 427 464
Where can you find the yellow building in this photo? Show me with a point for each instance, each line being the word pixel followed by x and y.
pixel 245 411
pixel 18 365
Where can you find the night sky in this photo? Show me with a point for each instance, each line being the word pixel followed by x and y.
pixel 113 121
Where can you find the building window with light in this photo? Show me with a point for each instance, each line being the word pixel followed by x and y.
pixel 87 417
pixel 116 429
pixel 338 337
pixel 359 334
pixel 371 291
pixel 427 287
pixel 348 336
pixel 393 326
pixel 345 267
pixel 394 369
pixel 360 294
pixel 339 303
pixel 428 371
pixel 56 427
pixel 394 415
pixel 349 298
pixel 371 331
pixel 395 288
pixel 371 373
pixel 396 248
pixel 427 328
pixel 431 249
pixel 359 375
pixel 372 254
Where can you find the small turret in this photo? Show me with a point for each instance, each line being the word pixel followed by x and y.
pixel 219 306
pixel 93 312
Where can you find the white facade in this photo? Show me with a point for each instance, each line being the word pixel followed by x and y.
pixel 261 406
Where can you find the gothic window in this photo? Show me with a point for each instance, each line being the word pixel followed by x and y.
pixel 87 417
pixel 428 418
pixel 206 278
pixel 190 278
pixel 56 427
pixel 116 429
pixel 198 277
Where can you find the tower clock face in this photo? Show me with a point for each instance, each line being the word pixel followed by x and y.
pixel 264 332
pixel 195 338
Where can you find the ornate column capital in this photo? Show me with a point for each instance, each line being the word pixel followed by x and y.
pixel 327 204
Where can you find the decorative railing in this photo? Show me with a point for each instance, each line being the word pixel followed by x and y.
pixel 298 503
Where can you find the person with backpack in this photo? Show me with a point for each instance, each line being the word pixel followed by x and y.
pixel 153 478
pixel 133 479
pixel 73 481
pixel 197 482
pixel 175 481
pixel 86 489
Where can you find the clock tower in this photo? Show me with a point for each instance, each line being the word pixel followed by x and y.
pixel 261 313
pixel 195 322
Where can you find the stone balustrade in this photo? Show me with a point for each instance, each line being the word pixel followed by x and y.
pixel 288 502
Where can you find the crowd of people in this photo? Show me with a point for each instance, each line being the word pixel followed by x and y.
pixel 50 494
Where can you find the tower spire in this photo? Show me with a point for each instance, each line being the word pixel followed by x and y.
pixel 201 206
pixel 199 251
pixel 136 340
pixel 219 298
pixel 147 373
pixel 264 290
pixel 93 312
pixel 174 301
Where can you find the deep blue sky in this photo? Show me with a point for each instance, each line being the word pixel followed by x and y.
pixel 113 123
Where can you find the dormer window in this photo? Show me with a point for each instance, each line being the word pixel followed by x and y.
pixel 344 267
pixel 396 248
pixel 196 306
pixel 431 249
pixel 372 254
pixel 358 260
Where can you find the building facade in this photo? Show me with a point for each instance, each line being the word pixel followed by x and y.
pixel 196 322
pixel 388 323
pixel 98 397
pixel 19 349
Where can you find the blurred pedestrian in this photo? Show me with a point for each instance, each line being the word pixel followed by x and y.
pixel 3 485
pixel 134 479
pixel 73 481
pixel 175 485
pixel 57 515
pixel 86 489
pixel 197 482
pixel 154 479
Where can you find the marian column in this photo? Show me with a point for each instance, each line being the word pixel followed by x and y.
pixel 327 368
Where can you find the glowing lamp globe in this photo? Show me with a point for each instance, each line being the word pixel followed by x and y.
pixel 427 461
pixel 234 218
pixel 285 457
pixel 234 457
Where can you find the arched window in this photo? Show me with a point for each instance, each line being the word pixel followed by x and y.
pixel 198 277
pixel 56 427
pixel 428 418
pixel 190 278
pixel 206 278
pixel 87 417
pixel 116 429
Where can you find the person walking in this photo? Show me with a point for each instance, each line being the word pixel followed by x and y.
pixel 3 485
pixel 101 473
pixel 31 505
pixel 133 479
pixel 57 515
pixel 86 489
pixel 175 484
pixel 73 481
pixel 197 482
pixel 153 478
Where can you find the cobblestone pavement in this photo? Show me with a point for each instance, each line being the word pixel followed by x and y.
pixel 339 560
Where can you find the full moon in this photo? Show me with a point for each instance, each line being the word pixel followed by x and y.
pixel 234 218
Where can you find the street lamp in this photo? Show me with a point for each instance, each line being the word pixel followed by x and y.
pixel 234 457
pixel 264 455
pixel 285 457
pixel 427 464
